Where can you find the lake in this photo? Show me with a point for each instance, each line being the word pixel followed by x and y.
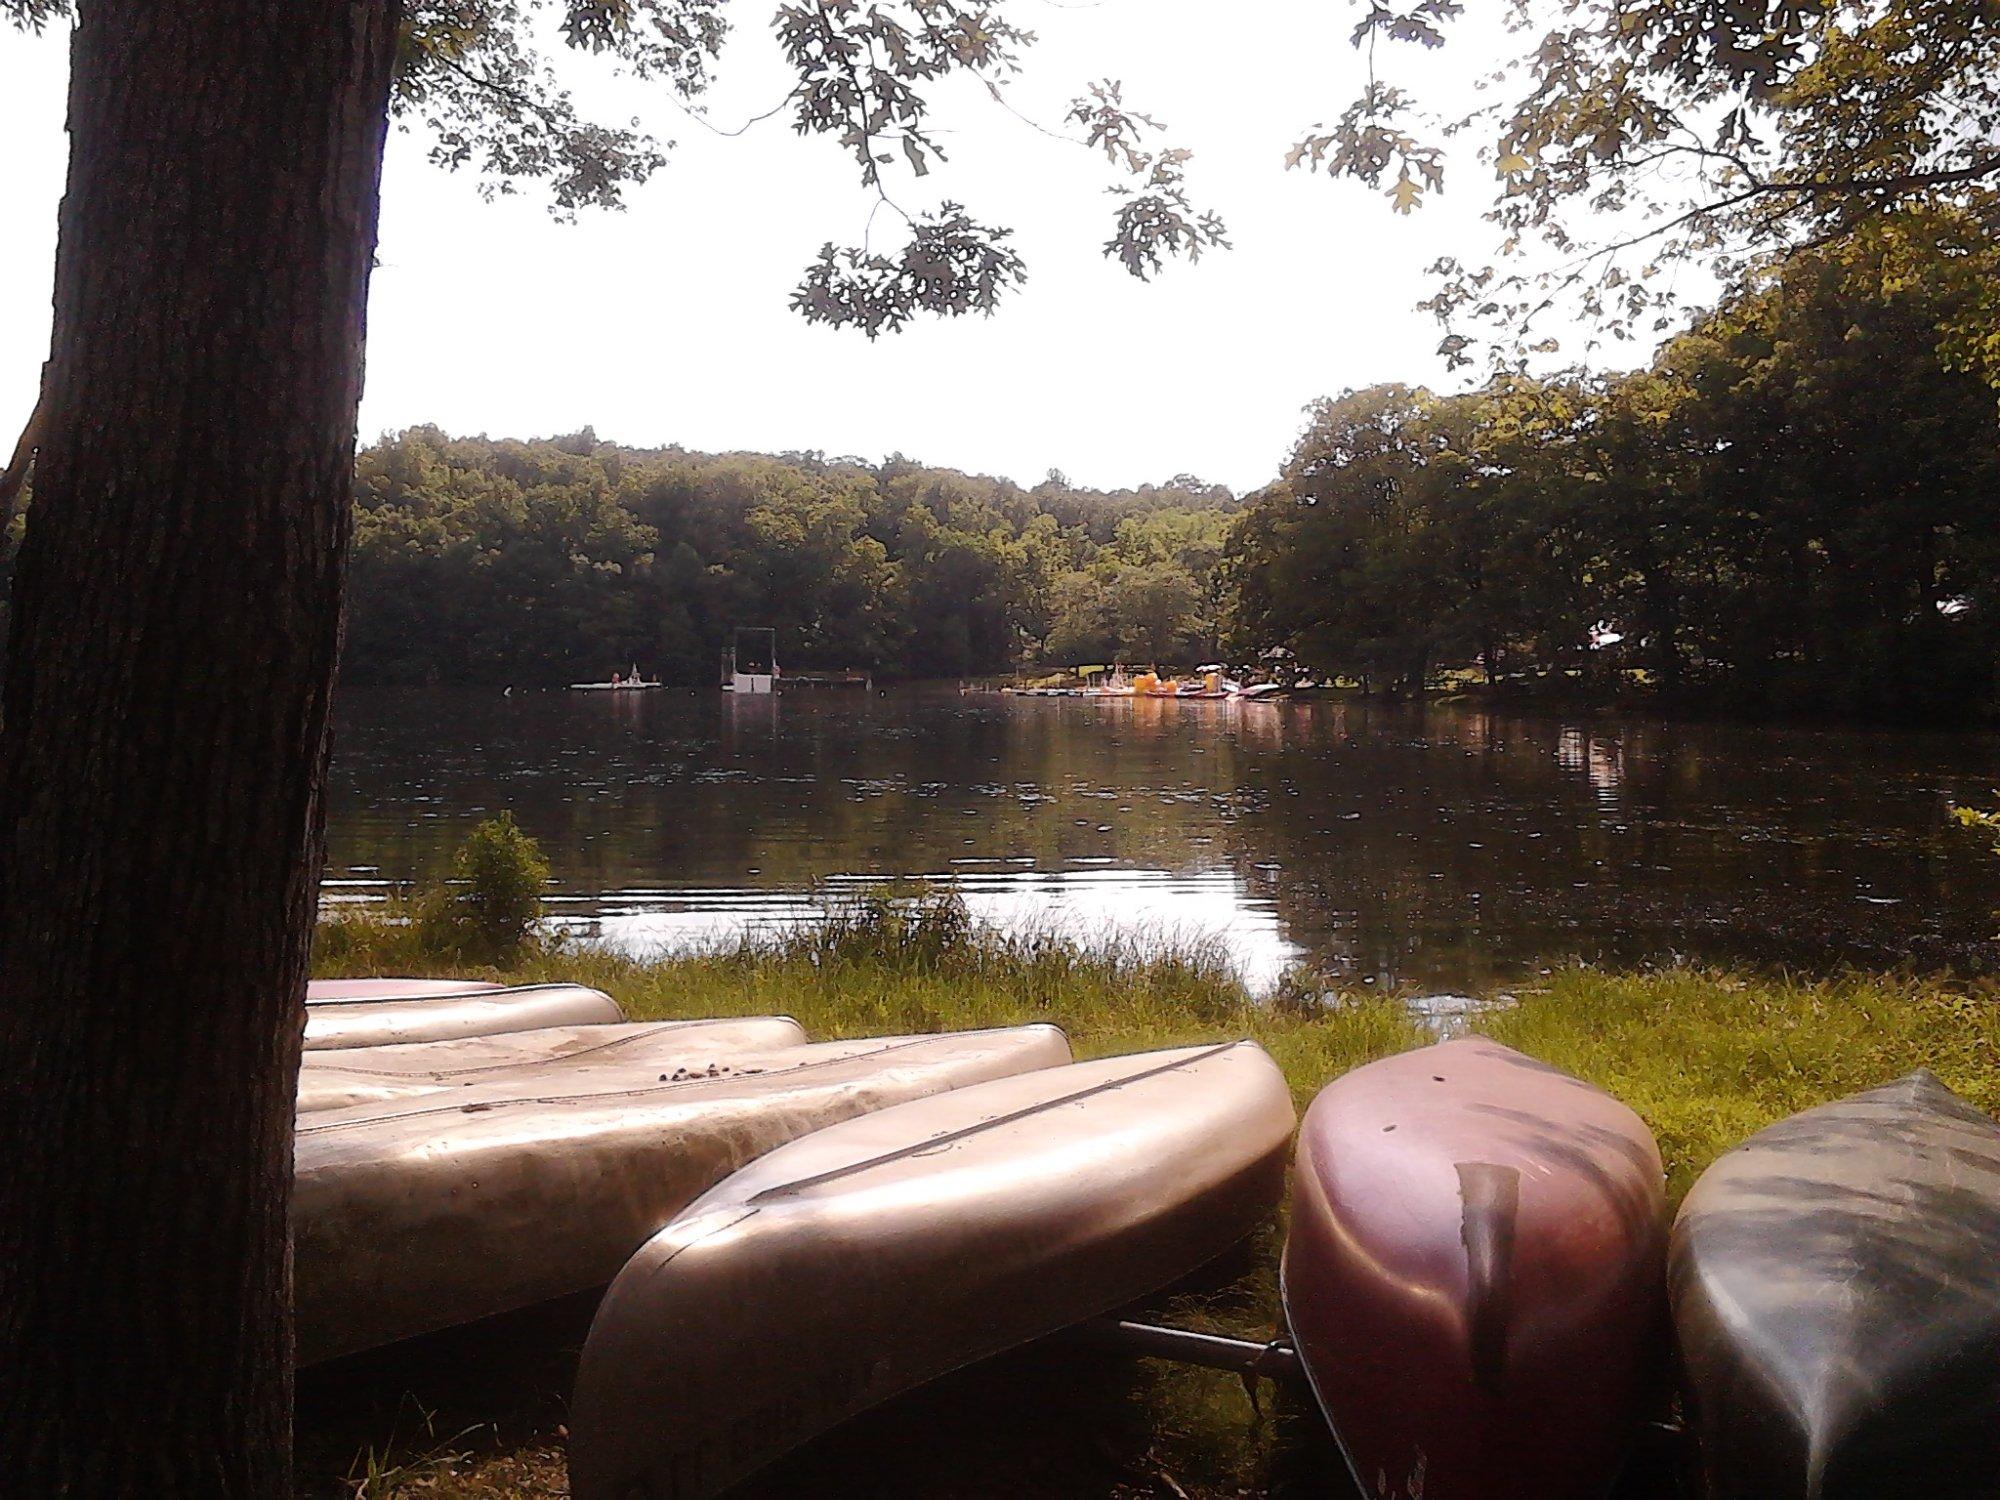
pixel 1436 847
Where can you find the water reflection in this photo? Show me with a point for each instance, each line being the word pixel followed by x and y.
pixel 1442 847
pixel 1088 907
pixel 1601 760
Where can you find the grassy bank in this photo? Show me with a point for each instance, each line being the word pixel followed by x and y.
pixel 1706 1057
pixel 879 968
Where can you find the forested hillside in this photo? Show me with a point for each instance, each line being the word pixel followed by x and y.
pixel 537 562
pixel 1795 508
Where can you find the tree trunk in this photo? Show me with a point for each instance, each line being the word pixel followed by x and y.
pixel 176 620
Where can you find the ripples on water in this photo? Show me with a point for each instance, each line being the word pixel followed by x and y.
pixel 1437 848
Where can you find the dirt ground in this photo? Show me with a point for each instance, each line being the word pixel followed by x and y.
pixel 477 1414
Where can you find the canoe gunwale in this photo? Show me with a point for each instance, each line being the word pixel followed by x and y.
pixel 643 1091
pixel 478 991
pixel 1305 1370
pixel 593 1049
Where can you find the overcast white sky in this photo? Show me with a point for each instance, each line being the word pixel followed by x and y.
pixel 668 323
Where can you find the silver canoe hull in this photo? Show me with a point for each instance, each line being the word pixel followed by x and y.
pixel 879 1254
pixel 420 1215
pixel 341 1077
pixel 377 1023
pixel 350 991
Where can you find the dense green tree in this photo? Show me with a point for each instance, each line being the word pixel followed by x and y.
pixel 1340 562
pixel 487 561
pixel 1794 508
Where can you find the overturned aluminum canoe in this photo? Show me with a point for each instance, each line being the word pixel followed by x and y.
pixel 438 1018
pixel 874 1256
pixel 419 1215
pixel 340 1077
pixel 348 991
pixel 1836 1292
pixel 1474 1275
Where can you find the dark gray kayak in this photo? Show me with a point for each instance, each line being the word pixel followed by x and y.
pixel 1836 1290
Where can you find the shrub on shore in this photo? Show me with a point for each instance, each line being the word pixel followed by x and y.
pixel 487 913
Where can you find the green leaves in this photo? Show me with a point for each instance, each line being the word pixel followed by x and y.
pixel 1370 138
pixel 861 69
pixel 34 15
pixel 491 105
pixel 1155 217
pixel 493 561
pixel 1718 134
pixel 864 75
pixel 950 265
pixel 1980 820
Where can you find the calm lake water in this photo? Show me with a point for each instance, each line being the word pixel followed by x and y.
pixel 1439 847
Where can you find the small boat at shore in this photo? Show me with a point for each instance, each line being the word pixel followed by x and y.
pixel 463 1013
pixel 873 1256
pixel 424 1213
pixel 1836 1294
pixel 1473 1275
pixel 337 1077
pixel 621 682
pixel 350 991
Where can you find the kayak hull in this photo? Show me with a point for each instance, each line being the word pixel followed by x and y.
pixel 1837 1305
pixel 423 1214
pixel 376 1023
pixel 340 1078
pixel 1474 1275
pixel 348 991
pixel 882 1253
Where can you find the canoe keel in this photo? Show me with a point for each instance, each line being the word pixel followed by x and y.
pixel 1492 1198
pixel 1474 1275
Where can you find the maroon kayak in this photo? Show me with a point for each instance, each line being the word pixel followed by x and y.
pixel 1474 1276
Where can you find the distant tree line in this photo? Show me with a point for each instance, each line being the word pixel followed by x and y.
pixel 1794 508
pixel 500 561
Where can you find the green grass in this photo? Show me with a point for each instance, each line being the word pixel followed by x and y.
pixel 880 968
pixel 1709 1057
pixel 1706 1057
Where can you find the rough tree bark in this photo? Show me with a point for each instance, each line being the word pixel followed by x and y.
pixel 176 619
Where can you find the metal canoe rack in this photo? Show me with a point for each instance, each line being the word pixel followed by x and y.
pixel 1273 1360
